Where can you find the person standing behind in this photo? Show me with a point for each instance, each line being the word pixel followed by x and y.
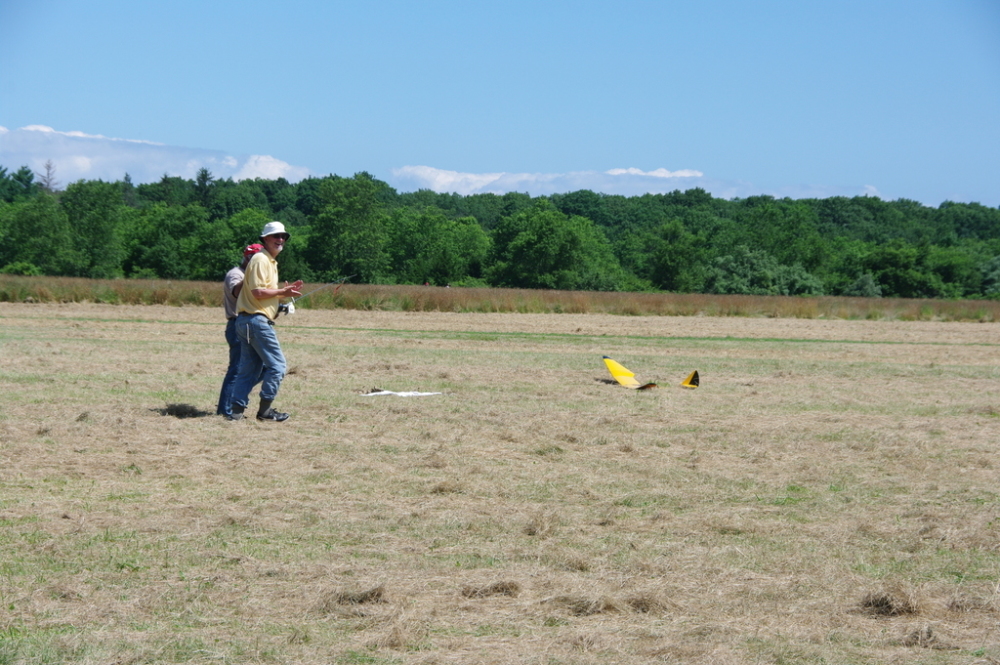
pixel 257 307
pixel 231 287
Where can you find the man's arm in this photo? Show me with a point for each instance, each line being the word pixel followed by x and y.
pixel 290 291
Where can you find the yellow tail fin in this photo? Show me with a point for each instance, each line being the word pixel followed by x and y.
pixel 692 381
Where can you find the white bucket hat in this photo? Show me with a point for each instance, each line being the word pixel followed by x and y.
pixel 273 229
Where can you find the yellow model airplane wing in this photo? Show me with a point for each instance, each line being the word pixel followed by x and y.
pixel 624 376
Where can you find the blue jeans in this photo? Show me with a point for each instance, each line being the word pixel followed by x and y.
pixel 261 359
pixel 225 406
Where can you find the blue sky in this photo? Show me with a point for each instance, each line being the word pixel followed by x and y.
pixel 806 98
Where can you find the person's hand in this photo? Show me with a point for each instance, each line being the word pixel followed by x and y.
pixel 293 290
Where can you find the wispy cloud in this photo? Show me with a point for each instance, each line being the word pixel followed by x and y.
pixel 77 156
pixel 623 181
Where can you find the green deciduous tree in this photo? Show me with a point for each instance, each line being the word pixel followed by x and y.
pixel 216 245
pixel 957 267
pixel 970 220
pixel 95 210
pixel 171 190
pixel 864 286
pixel 785 229
pixel 755 272
pixel 38 232
pixel 990 271
pixel 897 267
pixel 167 241
pixel 426 246
pixel 543 248
pixel 676 261
pixel 350 235
pixel 229 198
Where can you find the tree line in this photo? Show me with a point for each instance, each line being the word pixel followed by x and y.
pixel 194 229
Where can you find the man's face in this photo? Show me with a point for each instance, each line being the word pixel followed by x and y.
pixel 274 244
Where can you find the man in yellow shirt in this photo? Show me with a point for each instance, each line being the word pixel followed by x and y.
pixel 257 308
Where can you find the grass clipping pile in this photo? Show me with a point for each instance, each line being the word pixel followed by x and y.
pixel 828 494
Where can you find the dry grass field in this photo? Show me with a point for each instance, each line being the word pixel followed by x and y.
pixel 829 494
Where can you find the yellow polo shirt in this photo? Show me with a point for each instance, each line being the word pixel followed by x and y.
pixel 262 273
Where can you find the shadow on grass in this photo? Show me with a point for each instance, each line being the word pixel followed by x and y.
pixel 183 411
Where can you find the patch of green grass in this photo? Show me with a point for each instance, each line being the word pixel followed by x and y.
pixel 17 521
pixel 128 497
pixel 352 657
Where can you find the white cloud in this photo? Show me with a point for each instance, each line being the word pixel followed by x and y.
pixel 269 168
pixel 628 182
pixel 621 181
pixel 440 180
pixel 658 173
pixel 616 181
pixel 77 155
pixel 82 164
pixel 80 135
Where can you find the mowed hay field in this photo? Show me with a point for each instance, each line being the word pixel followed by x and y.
pixel 829 494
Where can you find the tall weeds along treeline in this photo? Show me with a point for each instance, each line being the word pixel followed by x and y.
pixel 17 288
